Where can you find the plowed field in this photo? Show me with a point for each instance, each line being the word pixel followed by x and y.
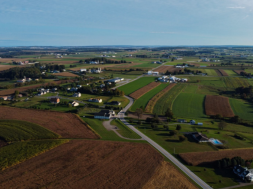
pixel 197 158
pixel 137 94
pixel 150 106
pixel 86 164
pixel 66 74
pixel 221 72
pixel 218 105
pixel 65 124
pixel 163 69
pixel 239 71
pixel 168 177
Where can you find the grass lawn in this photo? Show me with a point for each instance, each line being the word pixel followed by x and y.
pixel 143 101
pixel 124 130
pixel 189 105
pixel 242 108
pixel 137 84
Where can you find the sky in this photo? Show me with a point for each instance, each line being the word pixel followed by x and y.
pixel 125 22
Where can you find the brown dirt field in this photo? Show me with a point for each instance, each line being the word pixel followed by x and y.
pixel 218 105
pixel 3 143
pixel 25 88
pixel 6 67
pixel 140 92
pixel 195 64
pixel 86 164
pixel 163 69
pixel 198 158
pixel 65 124
pixel 239 71
pixel 223 73
pixel 168 177
pixel 66 74
pixel 150 106
pixel 218 72
pixel 10 60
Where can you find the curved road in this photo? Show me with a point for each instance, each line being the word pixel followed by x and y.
pixel 188 172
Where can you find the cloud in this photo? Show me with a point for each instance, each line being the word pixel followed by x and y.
pixel 246 17
pixel 236 7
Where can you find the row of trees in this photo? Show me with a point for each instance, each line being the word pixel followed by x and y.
pixel 17 72
pixel 227 162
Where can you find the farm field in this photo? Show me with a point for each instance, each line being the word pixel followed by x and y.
pixel 13 130
pixel 189 105
pixel 171 69
pixel 151 103
pixel 218 105
pixel 242 108
pixel 137 84
pixel 140 92
pixel 166 100
pixel 129 165
pixel 238 72
pixel 65 124
pixel 222 72
pixel 198 158
pixel 144 100
pixel 174 179
pixel 66 74
pixel 18 152
pixel 235 82
pixel 6 67
pixel 211 72
pixel 230 72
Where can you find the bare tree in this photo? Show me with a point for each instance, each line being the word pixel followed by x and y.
pixel 222 125
pixel 139 112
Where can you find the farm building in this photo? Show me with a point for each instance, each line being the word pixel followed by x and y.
pixel 115 80
pixel 200 137
pixel 104 114
pixel 181 121
pixel 153 73
pixel 55 100
pixel 243 173
pixel 77 95
pixel 83 70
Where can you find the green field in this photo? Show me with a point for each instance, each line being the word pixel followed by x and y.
pixel 124 130
pixel 167 99
pixel 235 82
pixel 211 72
pixel 13 130
pixel 189 105
pixel 20 151
pixel 137 84
pixel 242 108
pixel 231 73
pixel 143 101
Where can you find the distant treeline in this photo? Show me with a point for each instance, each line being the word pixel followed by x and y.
pixel 103 59
pixel 16 73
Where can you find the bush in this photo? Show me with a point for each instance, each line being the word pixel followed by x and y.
pixel 182 138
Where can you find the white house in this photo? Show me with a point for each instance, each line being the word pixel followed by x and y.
pixel 153 73
pixel 95 100
pixel 83 70
pixel 74 103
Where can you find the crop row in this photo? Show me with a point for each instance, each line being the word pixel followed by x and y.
pixel 166 100
pixel 152 102
pixel 235 82
pixel 137 94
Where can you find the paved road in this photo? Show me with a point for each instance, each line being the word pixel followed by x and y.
pixel 188 172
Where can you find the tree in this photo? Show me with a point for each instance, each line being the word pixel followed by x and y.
pixel 182 138
pixel 178 127
pixel 235 119
pixel 16 94
pixel 172 133
pixel 166 127
pixel 169 113
pixel 222 125
pixel 139 112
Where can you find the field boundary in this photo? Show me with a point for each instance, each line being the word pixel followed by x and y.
pixel 154 100
pixel 140 92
